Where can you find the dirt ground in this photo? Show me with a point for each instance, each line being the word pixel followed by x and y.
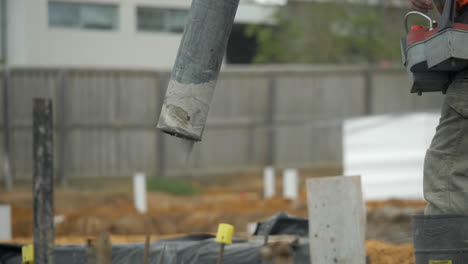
pixel 83 212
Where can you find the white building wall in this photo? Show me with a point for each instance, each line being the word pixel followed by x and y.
pixel 17 48
pixel 33 43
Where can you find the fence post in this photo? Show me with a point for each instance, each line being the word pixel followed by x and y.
pixel 43 180
pixel 61 114
pixel 162 82
pixel 368 89
pixel 4 30
pixel 270 120
pixel 7 172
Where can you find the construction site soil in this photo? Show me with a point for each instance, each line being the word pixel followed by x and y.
pixel 85 212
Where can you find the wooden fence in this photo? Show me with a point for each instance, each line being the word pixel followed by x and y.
pixel 105 119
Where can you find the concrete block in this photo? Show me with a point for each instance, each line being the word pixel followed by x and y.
pixel 336 220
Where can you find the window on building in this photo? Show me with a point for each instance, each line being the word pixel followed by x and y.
pixel 83 15
pixel 161 19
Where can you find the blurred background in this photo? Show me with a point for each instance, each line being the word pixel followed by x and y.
pixel 299 79
pixel 293 72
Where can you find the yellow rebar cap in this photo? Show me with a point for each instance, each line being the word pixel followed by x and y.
pixel 28 254
pixel 224 234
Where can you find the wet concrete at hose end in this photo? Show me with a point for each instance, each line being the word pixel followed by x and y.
pixel 187 146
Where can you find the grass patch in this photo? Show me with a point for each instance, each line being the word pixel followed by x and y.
pixel 171 186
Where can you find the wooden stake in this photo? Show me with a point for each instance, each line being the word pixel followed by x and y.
pixel 103 249
pixel 221 254
pixel 90 251
pixel 147 245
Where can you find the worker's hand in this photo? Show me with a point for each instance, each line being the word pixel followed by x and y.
pixel 421 5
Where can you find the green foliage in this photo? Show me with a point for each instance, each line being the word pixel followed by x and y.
pixel 330 33
pixel 360 43
pixel 272 44
pixel 171 186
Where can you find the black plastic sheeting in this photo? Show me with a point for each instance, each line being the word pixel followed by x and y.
pixel 283 224
pixel 10 253
pixel 195 249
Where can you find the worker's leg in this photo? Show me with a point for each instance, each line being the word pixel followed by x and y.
pixel 446 163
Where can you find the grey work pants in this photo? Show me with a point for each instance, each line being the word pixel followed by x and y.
pixel 446 162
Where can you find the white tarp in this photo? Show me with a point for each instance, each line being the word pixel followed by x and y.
pixel 388 152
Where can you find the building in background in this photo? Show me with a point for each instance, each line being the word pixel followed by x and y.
pixel 142 34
